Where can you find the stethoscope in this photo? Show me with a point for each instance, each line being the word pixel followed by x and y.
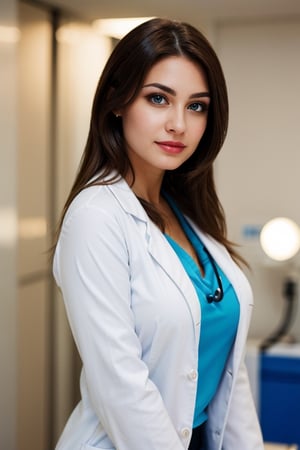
pixel 219 293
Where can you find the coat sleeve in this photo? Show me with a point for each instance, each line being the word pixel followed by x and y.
pixel 93 271
pixel 242 429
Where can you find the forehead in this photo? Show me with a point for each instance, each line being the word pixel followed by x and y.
pixel 178 71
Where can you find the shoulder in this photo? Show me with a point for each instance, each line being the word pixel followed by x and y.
pixel 93 198
pixel 98 205
pixel 110 210
pixel 93 217
pixel 92 232
pixel 115 200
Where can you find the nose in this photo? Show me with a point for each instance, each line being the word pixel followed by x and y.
pixel 175 122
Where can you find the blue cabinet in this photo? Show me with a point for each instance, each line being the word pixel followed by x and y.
pixel 280 398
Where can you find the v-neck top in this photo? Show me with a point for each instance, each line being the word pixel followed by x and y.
pixel 219 320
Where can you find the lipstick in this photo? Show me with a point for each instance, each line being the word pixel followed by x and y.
pixel 173 147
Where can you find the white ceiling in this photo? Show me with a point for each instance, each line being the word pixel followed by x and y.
pixel 193 11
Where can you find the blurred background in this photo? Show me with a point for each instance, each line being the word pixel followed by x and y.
pixel 51 56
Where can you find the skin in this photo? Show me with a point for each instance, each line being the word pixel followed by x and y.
pixel 162 129
pixel 171 106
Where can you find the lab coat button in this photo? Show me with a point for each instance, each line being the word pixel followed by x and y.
pixel 185 432
pixel 193 375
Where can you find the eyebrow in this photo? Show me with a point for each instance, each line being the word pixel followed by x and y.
pixel 172 92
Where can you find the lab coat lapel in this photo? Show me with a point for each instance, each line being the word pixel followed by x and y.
pixel 158 247
pixel 240 285
pixel 164 255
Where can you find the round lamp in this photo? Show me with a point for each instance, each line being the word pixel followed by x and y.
pixel 280 238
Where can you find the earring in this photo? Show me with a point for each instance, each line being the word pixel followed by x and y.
pixel 117 115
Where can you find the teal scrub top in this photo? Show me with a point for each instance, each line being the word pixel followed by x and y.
pixel 219 320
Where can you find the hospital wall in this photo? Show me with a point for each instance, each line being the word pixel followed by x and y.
pixel 258 169
pixel 8 231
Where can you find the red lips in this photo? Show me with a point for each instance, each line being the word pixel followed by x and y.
pixel 171 146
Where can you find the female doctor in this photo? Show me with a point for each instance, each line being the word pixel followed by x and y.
pixel 157 304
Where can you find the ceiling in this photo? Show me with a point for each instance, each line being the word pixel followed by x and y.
pixel 193 11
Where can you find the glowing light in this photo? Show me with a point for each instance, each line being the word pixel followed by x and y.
pixel 9 35
pixel 280 238
pixel 117 28
pixel 73 33
pixel 8 228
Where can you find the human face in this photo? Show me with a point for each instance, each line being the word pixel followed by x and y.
pixel 163 126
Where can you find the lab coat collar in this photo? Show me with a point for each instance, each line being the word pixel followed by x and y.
pixel 160 250
pixel 127 199
pixel 158 247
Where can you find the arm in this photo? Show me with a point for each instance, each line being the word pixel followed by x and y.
pixel 94 274
pixel 242 429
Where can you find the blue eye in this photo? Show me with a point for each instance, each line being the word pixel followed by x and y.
pixel 157 99
pixel 198 107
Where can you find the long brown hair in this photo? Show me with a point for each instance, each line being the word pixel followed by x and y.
pixel 192 184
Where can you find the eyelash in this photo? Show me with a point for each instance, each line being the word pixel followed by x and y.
pixel 204 106
pixel 153 97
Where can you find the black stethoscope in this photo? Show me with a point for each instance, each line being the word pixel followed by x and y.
pixel 219 293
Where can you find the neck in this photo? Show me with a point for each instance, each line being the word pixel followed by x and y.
pixel 147 186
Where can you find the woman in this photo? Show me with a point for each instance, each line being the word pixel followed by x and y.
pixel 158 307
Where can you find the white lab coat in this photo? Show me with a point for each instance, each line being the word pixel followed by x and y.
pixel 136 320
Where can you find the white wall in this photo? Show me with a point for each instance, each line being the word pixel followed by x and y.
pixel 8 213
pixel 258 169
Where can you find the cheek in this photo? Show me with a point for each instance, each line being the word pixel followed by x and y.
pixel 198 131
pixel 201 128
pixel 132 122
pixel 138 124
